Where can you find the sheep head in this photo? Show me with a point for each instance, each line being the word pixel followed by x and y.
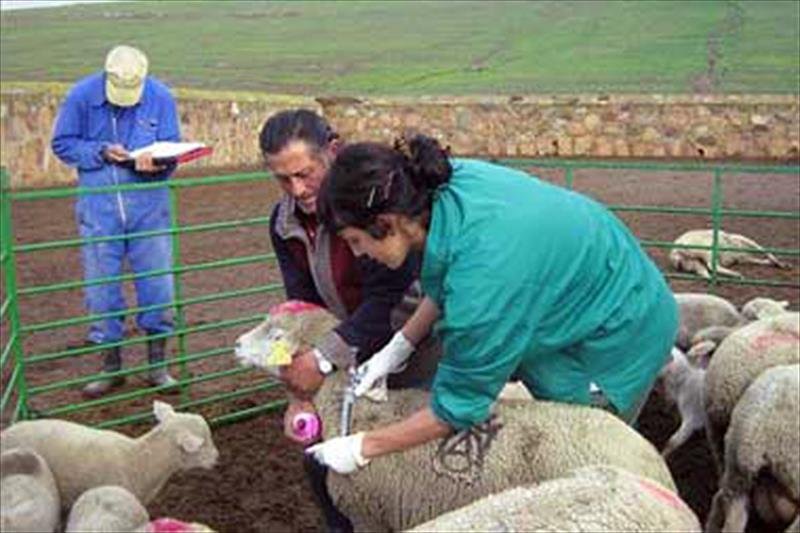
pixel 190 433
pixel 758 308
pixel 290 327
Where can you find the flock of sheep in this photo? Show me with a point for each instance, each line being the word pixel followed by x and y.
pixel 545 466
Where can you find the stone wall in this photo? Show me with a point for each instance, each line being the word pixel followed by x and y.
pixel 732 127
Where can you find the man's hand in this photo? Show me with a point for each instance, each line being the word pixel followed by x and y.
pixel 144 163
pixel 294 408
pixel 303 376
pixel 343 454
pixel 115 153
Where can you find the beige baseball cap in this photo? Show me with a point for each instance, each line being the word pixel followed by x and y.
pixel 126 69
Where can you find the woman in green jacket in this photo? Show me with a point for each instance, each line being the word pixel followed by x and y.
pixel 526 279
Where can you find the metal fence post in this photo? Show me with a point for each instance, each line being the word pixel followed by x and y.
pixel 716 222
pixel 9 269
pixel 176 276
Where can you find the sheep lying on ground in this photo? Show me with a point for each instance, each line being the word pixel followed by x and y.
pixel 763 308
pixel 684 385
pixel 528 441
pixel 740 358
pixel 82 458
pixel 594 498
pixel 107 508
pixel 29 499
pixel 762 454
pixel 699 260
pixel 700 311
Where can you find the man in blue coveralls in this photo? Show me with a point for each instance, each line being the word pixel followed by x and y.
pixel 105 116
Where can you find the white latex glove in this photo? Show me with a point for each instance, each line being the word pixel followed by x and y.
pixel 343 454
pixel 389 359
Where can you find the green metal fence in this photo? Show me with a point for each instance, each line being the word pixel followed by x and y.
pixel 17 368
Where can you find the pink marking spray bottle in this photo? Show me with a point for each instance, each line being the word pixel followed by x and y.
pixel 307 427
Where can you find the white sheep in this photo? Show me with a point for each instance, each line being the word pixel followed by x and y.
pixel 528 441
pixel 738 360
pixel 763 308
pixel 699 311
pixel 762 455
pixel 107 508
pixel 684 385
pixel 699 260
pixel 595 498
pixel 29 499
pixel 81 457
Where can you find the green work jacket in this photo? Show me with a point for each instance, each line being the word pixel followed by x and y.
pixel 543 283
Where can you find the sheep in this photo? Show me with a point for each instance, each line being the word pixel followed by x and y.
pixel 739 359
pixel 698 311
pixel 526 441
pixel 594 498
pixel 107 508
pixel 29 499
pixel 684 385
pixel 763 308
pixel 762 455
pixel 699 260
pixel 81 457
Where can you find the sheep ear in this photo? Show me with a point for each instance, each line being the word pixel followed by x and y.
pixel 162 410
pixel 190 443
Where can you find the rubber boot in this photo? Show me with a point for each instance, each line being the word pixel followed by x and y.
pixel 155 354
pixel 112 362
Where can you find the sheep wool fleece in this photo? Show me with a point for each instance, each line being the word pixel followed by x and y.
pixel 544 283
pixel 87 123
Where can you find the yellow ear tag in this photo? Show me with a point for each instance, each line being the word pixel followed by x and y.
pixel 280 354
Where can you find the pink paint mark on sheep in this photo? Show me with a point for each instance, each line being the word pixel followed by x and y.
pixel 168 525
pixel 766 341
pixel 293 307
pixel 662 494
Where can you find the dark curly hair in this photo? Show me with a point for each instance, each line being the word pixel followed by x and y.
pixel 369 179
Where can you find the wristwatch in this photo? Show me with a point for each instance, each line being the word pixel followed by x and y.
pixel 325 367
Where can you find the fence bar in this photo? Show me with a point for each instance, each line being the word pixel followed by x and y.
pixel 207 298
pixel 69 243
pixel 199 356
pixel 131 395
pixel 12 381
pixel 644 165
pixel 237 261
pixel 10 270
pixel 175 183
pixel 238 416
pixel 52 356
pixel 716 223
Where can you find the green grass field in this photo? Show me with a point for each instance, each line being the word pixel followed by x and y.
pixel 413 48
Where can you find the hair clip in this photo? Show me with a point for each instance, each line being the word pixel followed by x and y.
pixel 371 198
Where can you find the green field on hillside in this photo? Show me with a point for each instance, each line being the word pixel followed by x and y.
pixel 416 47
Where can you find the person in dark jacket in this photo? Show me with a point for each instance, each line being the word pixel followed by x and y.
pixel 104 117
pixel 371 300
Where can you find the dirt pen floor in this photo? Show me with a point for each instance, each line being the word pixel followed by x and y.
pixel 259 483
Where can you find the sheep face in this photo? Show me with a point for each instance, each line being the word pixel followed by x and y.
pixel 758 308
pixel 191 435
pixel 289 327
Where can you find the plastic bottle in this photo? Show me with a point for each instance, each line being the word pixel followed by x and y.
pixel 307 427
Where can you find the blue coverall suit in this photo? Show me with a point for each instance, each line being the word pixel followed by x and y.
pixel 86 124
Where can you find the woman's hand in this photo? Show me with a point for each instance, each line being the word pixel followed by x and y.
pixel 342 454
pixel 391 358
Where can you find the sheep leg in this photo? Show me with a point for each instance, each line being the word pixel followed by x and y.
pixel 745 242
pixel 736 517
pixel 716 513
pixel 678 438
pixel 697 266
pixel 728 272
